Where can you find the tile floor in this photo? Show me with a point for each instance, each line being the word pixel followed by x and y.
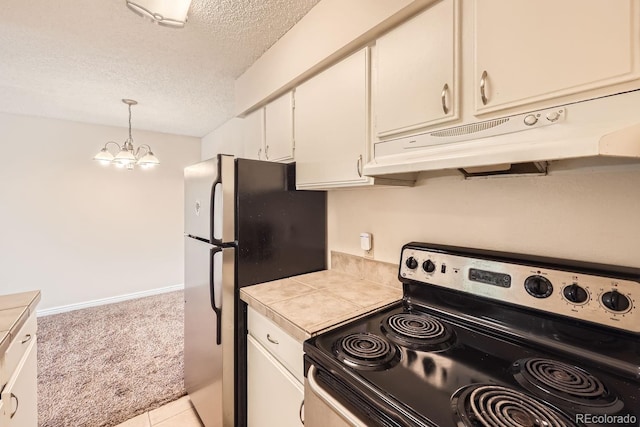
pixel 179 413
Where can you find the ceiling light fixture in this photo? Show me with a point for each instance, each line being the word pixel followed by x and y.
pixel 170 13
pixel 126 156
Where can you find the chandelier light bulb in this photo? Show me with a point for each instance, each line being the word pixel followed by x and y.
pixel 104 157
pixel 148 161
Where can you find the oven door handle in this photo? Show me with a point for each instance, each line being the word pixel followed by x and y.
pixel 337 407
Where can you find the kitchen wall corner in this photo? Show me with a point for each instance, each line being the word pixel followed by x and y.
pixel 227 139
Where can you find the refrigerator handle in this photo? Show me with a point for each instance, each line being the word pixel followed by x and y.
pixel 223 201
pixel 215 289
pixel 216 213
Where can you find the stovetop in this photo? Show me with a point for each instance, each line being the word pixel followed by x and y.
pixel 456 351
pixel 419 382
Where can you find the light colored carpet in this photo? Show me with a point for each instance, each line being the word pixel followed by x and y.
pixel 100 366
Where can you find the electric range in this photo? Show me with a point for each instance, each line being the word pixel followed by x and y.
pixel 484 338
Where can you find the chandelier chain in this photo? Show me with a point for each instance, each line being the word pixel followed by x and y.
pixel 130 139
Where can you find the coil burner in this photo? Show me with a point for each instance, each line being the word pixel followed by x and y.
pixel 418 331
pixel 491 405
pixel 563 383
pixel 366 351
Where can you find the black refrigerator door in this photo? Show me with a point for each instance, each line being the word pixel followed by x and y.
pixel 280 232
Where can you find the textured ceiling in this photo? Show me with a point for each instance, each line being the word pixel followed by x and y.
pixel 75 60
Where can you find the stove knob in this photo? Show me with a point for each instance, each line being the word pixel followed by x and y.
pixel 530 120
pixel 428 266
pixel 538 286
pixel 553 116
pixel 412 263
pixel 575 293
pixel 615 301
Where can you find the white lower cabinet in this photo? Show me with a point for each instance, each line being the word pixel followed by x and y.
pixel 18 400
pixel 274 395
pixel 19 395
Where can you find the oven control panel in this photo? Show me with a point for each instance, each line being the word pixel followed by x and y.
pixel 599 299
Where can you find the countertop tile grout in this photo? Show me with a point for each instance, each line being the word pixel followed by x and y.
pixel 329 298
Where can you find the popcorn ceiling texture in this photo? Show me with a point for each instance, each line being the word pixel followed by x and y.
pixel 75 60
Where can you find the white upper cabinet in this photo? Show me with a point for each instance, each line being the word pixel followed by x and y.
pixel 267 133
pixel 529 51
pixel 278 117
pixel 253 135
pixel 416 71
pixel 331 120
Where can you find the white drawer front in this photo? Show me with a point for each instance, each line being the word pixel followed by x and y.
pixel 274 396
pixel 283 346
pixel 19 344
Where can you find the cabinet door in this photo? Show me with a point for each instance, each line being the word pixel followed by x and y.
pixel 416 76
pixel 20 393
pixel 253 135
pixel 331 125
pixel 279 128
pixel 534 50
pixel 274 396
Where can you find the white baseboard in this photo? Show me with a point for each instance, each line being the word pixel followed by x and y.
pixel 108 300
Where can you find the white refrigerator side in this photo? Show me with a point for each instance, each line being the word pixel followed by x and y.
pixel 199 180
pixel 202 349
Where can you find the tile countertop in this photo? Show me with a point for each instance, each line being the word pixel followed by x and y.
pixel 309 304
pixel 15 309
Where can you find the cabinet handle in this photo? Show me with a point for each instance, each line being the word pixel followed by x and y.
pixel 266 152
pixel 259 153
pixel 445 89
pixel 483 84
pixel 359 165
pixel 300 412
pixel 271 340
pixel 27 338
pixel 13 396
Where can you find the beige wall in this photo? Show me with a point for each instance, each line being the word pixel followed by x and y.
pixel 590 214
pixel 227 139
pixel 80 231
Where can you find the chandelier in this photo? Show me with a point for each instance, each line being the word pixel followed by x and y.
pixel 126 156
pixel 170 13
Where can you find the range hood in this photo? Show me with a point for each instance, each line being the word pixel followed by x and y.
pixel 606 126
